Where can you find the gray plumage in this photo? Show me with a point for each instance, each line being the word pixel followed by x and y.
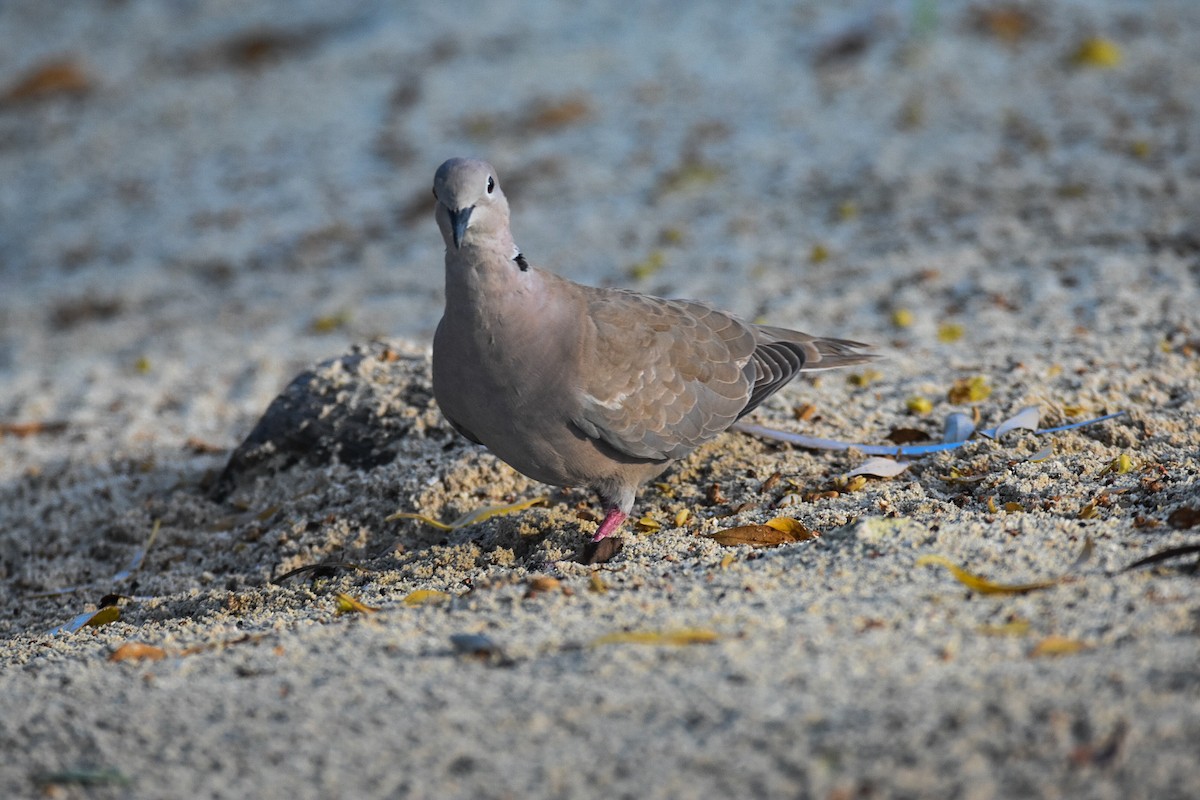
pixel 579 386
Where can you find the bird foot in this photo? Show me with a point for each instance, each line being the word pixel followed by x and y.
pixel 612 521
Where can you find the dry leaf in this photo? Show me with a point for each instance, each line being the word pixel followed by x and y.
pixel 597 584
pixel 1014 627
pixel 541 583
pixel 907 436
pixel 781 530
pixel 1097 52
pixel 676 637
pixel 470 518
pixel 1184 517
pixel 949 332
pixel 1057 646
pixel 602 551
pixel 346 604
pixel 422 597
pixel 137 651
pixel 969 390
pixel 983 585
pixel 62 76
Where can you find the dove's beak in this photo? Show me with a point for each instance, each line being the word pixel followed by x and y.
pixel 458 223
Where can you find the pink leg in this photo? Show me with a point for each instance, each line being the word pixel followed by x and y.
pixel 612 521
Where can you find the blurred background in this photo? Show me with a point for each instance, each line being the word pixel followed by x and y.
pixel 199 198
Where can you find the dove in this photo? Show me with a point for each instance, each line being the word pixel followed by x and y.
pixel 575 385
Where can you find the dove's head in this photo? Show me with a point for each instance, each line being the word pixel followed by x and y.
pixel 470 206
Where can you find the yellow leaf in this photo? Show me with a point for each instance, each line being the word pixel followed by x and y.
pixel 855 483
pixel 648 265
pixel 423 597
pixel 918 405
pixel 726 560
pixel 1089 511
pixel 1015 627
pixel 647 523
pixel 792 527
pixel 969 390
pixel 1097 52
pixel 1056 646
pixel 847 210
pixel 991 506
pixel 330 322
pixel 352 605
pixel 818 254
pixel 103 617
pixel 983 585
pixel 470 518
pixel 864 378
pixel 675 637
pixel 597 584
pixel 1013 508
pixel 1120 465
pixel 902 318
pixel 681 517
pixel 950 332
pixel 142 365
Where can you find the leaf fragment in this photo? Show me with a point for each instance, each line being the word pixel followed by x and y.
pixel 681 517
pixel 903 318
pixel 597 584
pixel 677 637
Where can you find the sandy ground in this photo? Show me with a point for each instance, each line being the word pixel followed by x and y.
pixel 200 200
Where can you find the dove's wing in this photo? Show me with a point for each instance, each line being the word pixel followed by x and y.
pixel 661 377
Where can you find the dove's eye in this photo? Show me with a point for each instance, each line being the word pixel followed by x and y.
pixel 491 184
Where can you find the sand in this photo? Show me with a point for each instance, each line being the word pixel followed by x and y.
pixel 198 202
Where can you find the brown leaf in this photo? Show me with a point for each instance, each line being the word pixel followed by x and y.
pixel 1184 517
pixel 907 436
pixel 602 551
pixel 23 429
pixel 782 530
pixel 137 651
pixel 57 77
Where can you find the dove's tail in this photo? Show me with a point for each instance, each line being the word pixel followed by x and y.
pixel 819 353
